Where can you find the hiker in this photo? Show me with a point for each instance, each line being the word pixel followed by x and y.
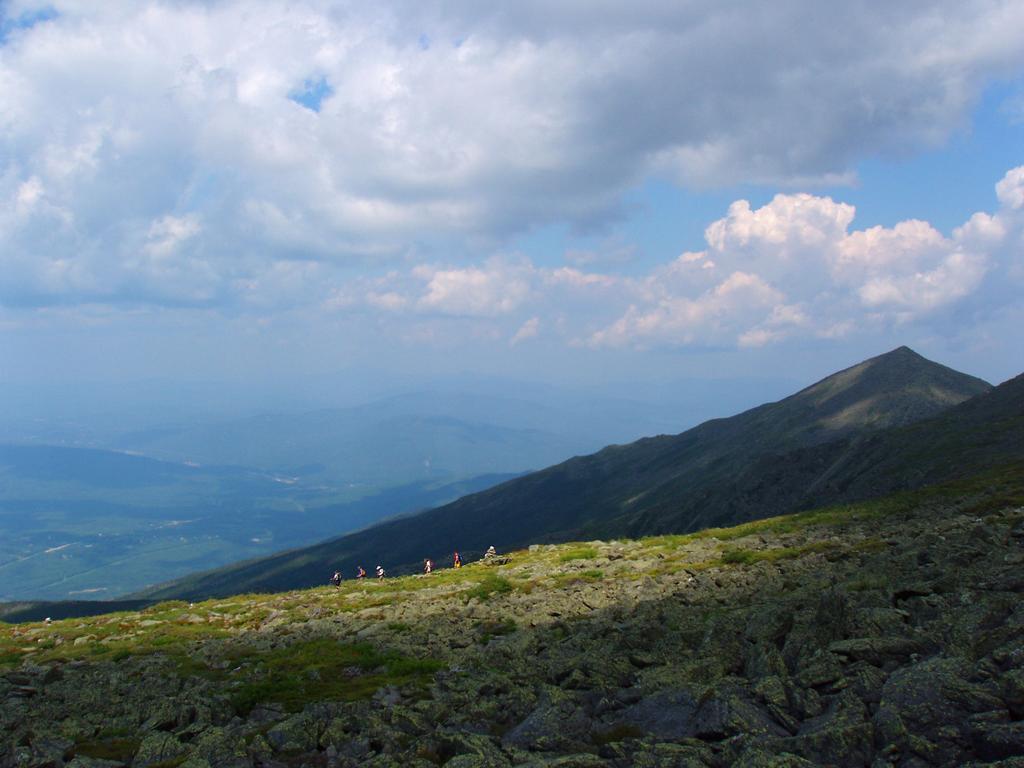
pixel 380 573
pixel 336 579
pixel 360 572
pixel 456 560
pixel 428 565
pixel 491 552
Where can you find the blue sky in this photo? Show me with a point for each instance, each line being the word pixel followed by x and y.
pixel 548 191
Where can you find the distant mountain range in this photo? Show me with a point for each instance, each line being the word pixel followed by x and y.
pixel 409 438
pixel 894 421
pixel 78 522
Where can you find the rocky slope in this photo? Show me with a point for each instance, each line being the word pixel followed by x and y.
pixel 777 458
pixel 885 634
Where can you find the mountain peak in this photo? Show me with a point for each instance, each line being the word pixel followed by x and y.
pixel 904 350
pixel 902 355
pixel 888 390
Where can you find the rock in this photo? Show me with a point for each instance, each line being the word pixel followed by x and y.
pixel 728 710
pixel 769 624
pixel 999 741
pixel 664 715
pixel 475 761
pixel 387 696
pixel 820 670
pixel 219 749
pixel 50 752
pixel 264 714
pixel 639 755
pixel 924 708
pixel 299 733
pixel 876 650
pixel 157 748
pixel 644 660
pixel 260 750
pixel 756 757
pixel 408 721
pixel 567 761
pixel 772 692
pixel 1013 692
pixel 471 749
pixel 163 715
pixel 763 659
pixel 842 736
pixel 556 724
pixel 866 682
pixel 93 762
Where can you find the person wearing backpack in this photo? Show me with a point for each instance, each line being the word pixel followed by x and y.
pixel 336 579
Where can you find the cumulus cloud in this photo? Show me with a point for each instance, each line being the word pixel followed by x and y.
pixel 794 267
pixel 682 321
pixel 497 288
pixel 335 132
pixel 1010 190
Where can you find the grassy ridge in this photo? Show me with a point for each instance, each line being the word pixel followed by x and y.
pixel 176 628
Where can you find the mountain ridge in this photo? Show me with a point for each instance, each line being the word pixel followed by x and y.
pixel 664 484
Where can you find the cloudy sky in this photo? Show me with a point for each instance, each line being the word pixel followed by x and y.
pixel 547 190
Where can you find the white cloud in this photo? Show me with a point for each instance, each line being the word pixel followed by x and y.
pixel 497 288
pixel 119 114
pixel 793 267
pixel 168 232
pixel 1010 189
pixel 527 330
pixel 683 321
pixel 577 279
pixel 787 222
pixel 391 301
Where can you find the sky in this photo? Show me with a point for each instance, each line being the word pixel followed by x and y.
pixel 568 191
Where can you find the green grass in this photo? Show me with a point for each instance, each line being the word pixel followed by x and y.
pixel 580 553
pixel 489 629
pixel 321 670
pixel 490 586
pixel 739 556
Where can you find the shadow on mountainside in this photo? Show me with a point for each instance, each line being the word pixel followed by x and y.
pixel 769 461
pixel 890 633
